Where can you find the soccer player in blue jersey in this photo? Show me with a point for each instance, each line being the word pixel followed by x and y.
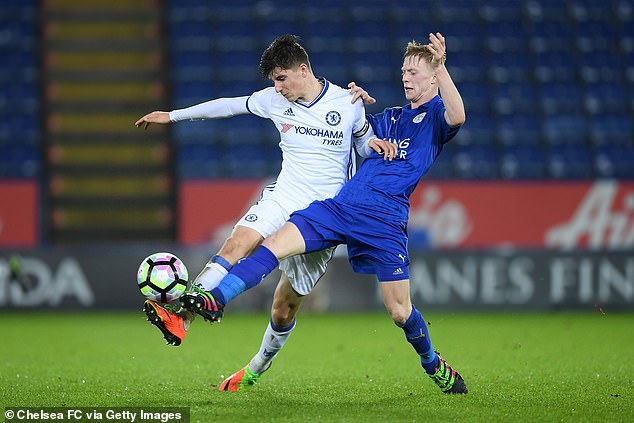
pixel 319 123
pixel 369 214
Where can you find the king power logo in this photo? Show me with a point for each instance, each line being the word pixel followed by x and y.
pixel 601 220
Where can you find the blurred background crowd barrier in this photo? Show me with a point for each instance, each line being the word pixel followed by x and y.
pixel 531 204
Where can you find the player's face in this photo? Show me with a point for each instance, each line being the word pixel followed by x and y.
pixel 289 82
pixel 419 81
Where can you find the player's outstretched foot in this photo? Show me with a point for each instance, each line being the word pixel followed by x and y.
pixel 203 303
pixel 241 380
pixel 173 326
pixel 448 380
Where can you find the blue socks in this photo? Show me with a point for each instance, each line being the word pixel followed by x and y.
pixel 416 332
pixel 245 274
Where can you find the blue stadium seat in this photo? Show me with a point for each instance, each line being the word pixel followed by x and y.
pixel 615 129
pixel 506 37
pixel 493 11
pixel 521 129
pixel 200 160
pixel 561 98
pixel 476 162
pixel 523 162
pixel 468 67
pixel 477 97
pixel 477 130
pixel 515 98
pixel 555 66
pixel 510 67
pixel 570 162
pixel 565 129
pixel 615 162
pixel 608 97
pixel 601 66
pixel 459 36
pixel 554 35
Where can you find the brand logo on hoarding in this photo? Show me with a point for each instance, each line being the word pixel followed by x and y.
pixel 46 286
pixel 603 219
pixel 447 222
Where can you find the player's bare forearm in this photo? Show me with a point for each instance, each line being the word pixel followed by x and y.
pixel 454 107
pixel 154 117
pixel 454 113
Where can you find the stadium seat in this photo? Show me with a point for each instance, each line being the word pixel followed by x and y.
pixel 493 11
pixel 560 98
pixel 565 129
pixel 468 67
pixel 477 130
pixel 521 129
pixel 519 97
pixel 615 162
pixel 523 162
pixel 555 66
pixel 616 129
pixel 608 97
pixel 570 162
pixel 600 66
pixel 505 37
pixel 476 162
pixel 459 36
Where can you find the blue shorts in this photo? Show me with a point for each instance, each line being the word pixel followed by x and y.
pixel 377 244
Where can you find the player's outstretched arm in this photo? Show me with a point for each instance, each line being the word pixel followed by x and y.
pixel 454 107
pixel 154 117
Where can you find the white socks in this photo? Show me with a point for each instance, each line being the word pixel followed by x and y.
pixel 272 343
pixel 211 275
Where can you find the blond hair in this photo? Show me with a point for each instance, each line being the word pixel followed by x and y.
pixel 418 50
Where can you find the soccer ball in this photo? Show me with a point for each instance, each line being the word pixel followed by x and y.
pixel 162 277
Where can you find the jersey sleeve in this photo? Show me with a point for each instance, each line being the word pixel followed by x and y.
pixel 362 131
pixel 213 109
pixel 259 103
pixel 446 132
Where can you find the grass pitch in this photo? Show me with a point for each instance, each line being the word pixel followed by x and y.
pixel 335 368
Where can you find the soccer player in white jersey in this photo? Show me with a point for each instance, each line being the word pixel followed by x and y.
pixel 318 123
pixel 369 214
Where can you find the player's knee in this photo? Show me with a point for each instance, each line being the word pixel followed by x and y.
pixel 235 248
pixel 398 313
pixel 283 314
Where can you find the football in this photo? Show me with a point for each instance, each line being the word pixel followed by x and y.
pixel 162 277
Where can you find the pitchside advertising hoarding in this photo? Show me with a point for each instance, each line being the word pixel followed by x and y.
pixel 473 246
pixel 18 214
pixel 562 216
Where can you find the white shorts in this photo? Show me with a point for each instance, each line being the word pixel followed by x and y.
pixel 304 270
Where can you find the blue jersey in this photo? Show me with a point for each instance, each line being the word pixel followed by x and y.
pixel 386 186
pixel 370 212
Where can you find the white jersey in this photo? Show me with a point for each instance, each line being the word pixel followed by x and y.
pixel 316 142
pixel 315 138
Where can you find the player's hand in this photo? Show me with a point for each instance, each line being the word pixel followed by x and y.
pixel 357 92
pixel 388 149
pixel 154 117
pixel 438 49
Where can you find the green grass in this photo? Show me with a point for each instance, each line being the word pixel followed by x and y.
pixel 336 367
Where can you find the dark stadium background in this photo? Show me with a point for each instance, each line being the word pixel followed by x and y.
pixel 530 207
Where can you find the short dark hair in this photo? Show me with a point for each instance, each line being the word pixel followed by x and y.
pixel 285 52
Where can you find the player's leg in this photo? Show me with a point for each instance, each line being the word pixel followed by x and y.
pixel 172 319
pixel 286 303
pixel 242 242
pixel 288 241
pixel 396 297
